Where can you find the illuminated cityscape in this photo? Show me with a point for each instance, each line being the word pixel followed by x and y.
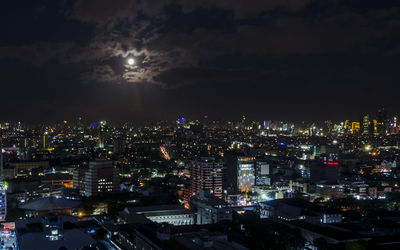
pixel 318 179
pixel 182 124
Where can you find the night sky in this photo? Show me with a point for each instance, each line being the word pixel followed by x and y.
pixel 282 59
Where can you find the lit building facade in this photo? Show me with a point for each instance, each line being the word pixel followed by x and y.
pixel 298 209
pixel 209 208
pixel 382 121
pixel 53 228
pixel 245 173
pixel 172 214
pixel 262 174
pixel 355 127
pixel 101 177
pixel 3 201
pixel 205 173
pixel 3 187
pixel 365 123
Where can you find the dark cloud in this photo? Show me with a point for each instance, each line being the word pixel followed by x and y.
pixel 101 73
pixel 177 77
pixel 282 28
pixel 306 45
pixel 36 54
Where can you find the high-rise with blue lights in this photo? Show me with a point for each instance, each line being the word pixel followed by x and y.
pixel 3 187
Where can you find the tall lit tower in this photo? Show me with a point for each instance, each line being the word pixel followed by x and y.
pixel 365 123
pixel 102 135
pixel 3 186
pixel 205 173
pixel 382 121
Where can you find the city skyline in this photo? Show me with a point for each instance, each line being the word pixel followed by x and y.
pixel 376 115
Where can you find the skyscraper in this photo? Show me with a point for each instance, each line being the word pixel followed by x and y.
pixel 102 134
pixel 245 173
pixel 3 186
pixel 206 173
pixel 365 123
pixel 381 121
pixel 355 127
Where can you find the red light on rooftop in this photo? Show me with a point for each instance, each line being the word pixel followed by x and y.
pixel 333 163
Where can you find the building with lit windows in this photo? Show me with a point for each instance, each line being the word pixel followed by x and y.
pixel 209 208
pixel 374 125
pixel 382 121
pixel 262 171
pixel 100 178
pixel 102 134
pixel 3 188
pixel 246 173
pixel 347 126
pixel 172 214
pixel 298 209
pixel 365 124
pixel 3 201
pixel 53 232
pixel 46 205
pixel 355 127
pixel 53 227
pixel 205 173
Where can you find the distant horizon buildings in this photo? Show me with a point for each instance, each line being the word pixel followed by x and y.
pixel 382 125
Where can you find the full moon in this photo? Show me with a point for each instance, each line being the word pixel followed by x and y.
pixel 131 61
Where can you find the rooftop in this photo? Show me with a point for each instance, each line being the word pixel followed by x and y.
pixel 50 203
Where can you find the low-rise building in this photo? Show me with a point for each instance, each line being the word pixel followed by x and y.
pixel 298 209
pixel 171 214
pixel 152 236
pixel 52 232
pixel 209 208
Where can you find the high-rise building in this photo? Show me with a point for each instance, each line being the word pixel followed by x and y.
pixel 3 201
pixel 101 177
pixel 382 121
pixel 206 174
pixel 329 126
pixel 355 127
pixel 347 126
pixel 119 145
pixel 102 134
pixel 365 124
pixel 3 186
pixel 245 173
pixel 262 174
pixel 78 180
pixel 374 126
